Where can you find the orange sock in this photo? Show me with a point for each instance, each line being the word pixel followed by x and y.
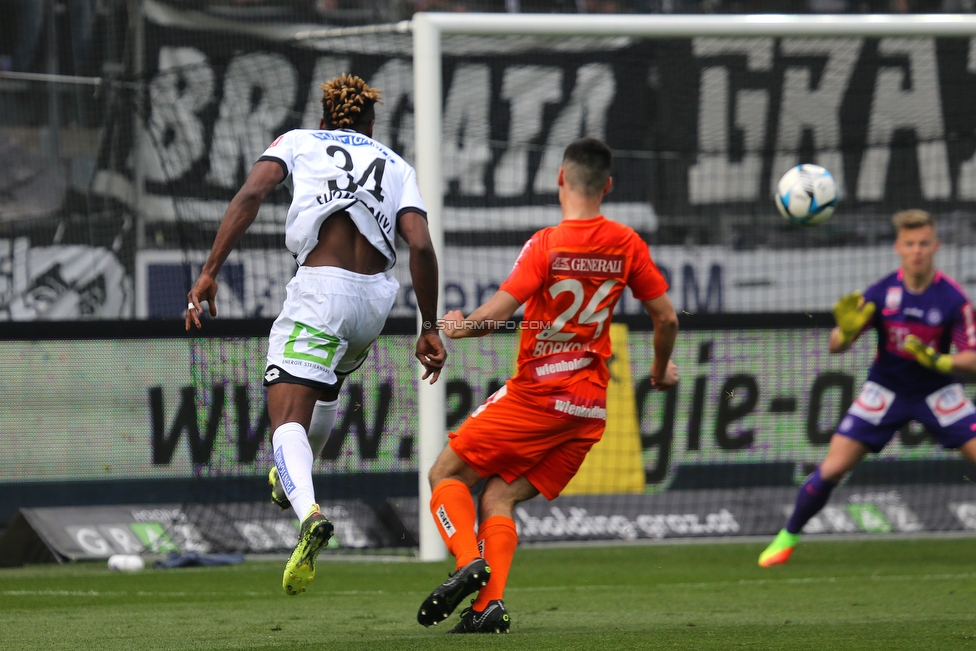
pixel 499 538
pixel 453 511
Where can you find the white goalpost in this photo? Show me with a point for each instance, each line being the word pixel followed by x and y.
pixel 427 30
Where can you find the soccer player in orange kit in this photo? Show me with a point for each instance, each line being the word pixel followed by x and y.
pixel 531 435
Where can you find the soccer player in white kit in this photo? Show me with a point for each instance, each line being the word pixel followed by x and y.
pixel 351 196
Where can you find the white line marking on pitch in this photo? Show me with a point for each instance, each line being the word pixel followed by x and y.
pixel 699 584
pixel 143 593
pixel 817 579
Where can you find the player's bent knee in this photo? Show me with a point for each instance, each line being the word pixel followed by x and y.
pixel 833 477
pixel 968 450
pixel 450 466
pixel 440 471
pixel 499 498
pixel 835 473
pixel 439 474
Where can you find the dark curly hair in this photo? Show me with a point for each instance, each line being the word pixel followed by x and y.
pixel 347 102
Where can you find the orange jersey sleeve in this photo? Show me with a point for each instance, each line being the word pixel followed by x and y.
pixel 646 281
pixel 529 271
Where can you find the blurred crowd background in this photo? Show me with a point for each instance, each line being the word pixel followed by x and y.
pixel 89 34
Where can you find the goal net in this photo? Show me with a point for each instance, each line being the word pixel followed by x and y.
pixel 704 115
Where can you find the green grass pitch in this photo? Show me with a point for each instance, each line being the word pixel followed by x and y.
pixel 875 594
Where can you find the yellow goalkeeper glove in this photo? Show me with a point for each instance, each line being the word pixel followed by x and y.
pixel 927 356
pixel 851 314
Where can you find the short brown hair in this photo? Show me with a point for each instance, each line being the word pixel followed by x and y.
pixel 586 165
pixel 910 219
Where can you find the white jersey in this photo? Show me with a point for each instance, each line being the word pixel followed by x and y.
pixel 344 170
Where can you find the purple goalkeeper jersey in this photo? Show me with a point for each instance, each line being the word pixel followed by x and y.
pixel 939 316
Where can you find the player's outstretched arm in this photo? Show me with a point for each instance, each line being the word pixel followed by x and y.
pixel 240 214
pixel 484 320
pixel 664 372
pixel 851 314
pixel 423 273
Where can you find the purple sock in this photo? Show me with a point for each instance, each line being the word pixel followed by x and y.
pixel 811 498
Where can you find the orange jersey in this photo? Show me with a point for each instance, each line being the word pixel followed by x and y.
pixel 570 277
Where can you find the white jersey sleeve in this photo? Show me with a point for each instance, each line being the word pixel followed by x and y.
pixel 411 201
pixel 281 151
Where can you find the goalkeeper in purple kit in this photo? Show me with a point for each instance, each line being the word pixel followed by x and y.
pixel 918 312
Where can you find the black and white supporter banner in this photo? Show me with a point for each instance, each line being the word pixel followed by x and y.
pixel 699 124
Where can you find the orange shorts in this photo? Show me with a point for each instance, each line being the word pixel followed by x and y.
pixel 542 437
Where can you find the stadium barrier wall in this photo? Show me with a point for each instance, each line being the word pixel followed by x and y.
pixel 124 400
pixel 58 534
pixel 77 533
pixel 705 279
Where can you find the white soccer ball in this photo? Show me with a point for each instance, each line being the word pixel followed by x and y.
pixel 807 195
pixel 126 563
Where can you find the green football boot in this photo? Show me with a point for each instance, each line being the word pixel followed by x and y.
pixel 780 550
pixel 300 569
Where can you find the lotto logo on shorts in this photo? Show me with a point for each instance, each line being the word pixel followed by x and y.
pixel 445 521
pixel 567 405
pixel 564 263
pixel 949 404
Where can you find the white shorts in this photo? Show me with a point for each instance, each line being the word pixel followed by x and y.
pixel 327 323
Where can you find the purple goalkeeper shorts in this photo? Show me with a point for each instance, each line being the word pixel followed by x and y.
pixel 878 413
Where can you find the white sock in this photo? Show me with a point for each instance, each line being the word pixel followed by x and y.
pixel 293 458
pixel 323 420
